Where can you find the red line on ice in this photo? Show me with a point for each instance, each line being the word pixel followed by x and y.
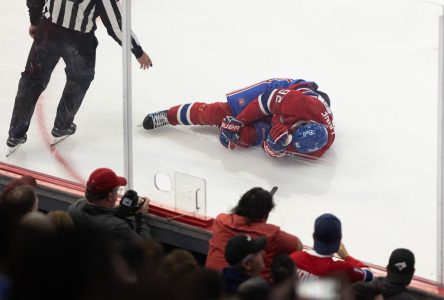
pixel 44 131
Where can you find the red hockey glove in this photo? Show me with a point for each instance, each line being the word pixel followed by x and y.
pixel 277 140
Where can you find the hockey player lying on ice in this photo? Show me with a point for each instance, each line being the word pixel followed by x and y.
pixel 284 116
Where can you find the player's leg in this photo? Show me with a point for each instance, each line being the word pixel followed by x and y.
pixel 79 54
pixel 41 61
pixel 197 113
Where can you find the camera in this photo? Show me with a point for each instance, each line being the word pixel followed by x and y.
pixel 130 203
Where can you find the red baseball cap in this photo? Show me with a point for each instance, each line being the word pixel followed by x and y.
pixel 104 180
pixel 25 180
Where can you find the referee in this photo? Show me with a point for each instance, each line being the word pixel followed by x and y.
pixel 64 29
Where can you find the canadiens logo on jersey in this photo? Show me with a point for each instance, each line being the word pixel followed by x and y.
pixel 241 101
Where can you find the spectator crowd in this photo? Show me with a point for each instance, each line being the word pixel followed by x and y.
pixel 96 250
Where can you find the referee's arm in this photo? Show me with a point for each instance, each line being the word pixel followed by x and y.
pixel 35 8
pixel 111 17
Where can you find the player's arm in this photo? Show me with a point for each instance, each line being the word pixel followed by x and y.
pixel 248 135
pixel 277 101
pixel 259 108
pixel 245 137
pixel 278 138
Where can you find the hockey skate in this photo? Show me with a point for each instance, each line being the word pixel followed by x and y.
pixel 14 143
pixel 155 120
pixel 59 135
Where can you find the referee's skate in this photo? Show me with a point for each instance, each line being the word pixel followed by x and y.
pixel 59 135
pixel 14 143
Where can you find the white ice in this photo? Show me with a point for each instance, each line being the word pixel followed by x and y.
pixel 377 60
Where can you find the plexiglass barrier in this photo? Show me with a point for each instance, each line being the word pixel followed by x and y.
pixel 376 60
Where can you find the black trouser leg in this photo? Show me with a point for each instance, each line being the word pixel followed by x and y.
pixel 42 59
pixel 80 59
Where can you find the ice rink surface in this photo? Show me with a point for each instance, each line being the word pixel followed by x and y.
pixel 377 60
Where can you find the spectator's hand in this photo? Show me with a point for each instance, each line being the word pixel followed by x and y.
pixel 144 208
pixel 145 61
pixel 342 252
pixel 32 31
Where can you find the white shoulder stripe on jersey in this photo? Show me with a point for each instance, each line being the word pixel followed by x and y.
pixel 261 105
pixel 269 99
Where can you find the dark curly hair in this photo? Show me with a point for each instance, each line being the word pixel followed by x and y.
pixel 255 205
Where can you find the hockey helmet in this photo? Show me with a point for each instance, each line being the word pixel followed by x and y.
pixel 310 137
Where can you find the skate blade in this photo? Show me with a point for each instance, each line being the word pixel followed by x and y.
pixel 57 140
pixel 12 150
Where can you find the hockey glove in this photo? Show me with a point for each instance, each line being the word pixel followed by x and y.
pixel 229 132
pixel 277 140
pixel 226 142
pixel 231 126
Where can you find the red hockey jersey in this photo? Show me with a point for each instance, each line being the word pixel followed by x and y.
pixel 292 108
pixel 312 265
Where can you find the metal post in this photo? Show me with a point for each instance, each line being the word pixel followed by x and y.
pixel 440 206
pixel 127 96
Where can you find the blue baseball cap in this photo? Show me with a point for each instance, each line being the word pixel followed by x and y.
pixel 327 234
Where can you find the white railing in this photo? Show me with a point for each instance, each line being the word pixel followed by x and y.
pixel 440 184
pixel 127 95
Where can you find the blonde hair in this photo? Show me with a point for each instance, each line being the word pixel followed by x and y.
pixel 61 220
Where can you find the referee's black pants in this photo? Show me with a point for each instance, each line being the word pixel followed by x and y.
pixel 52 42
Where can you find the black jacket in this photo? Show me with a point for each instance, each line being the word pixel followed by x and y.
pixel 232 278
pixel 395 291
pixel 114 225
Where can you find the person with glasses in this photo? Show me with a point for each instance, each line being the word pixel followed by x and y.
pixel 98 208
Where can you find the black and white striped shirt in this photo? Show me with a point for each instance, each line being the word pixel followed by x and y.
pixel 81 15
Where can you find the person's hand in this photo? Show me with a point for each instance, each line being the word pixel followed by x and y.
pixel 231 127
pixel 32 31
pixel 230 132
pixel 277 140
pixel 342 252
pixel 227 142
pixel 144 208
pixel 145 61
pixel 279 136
